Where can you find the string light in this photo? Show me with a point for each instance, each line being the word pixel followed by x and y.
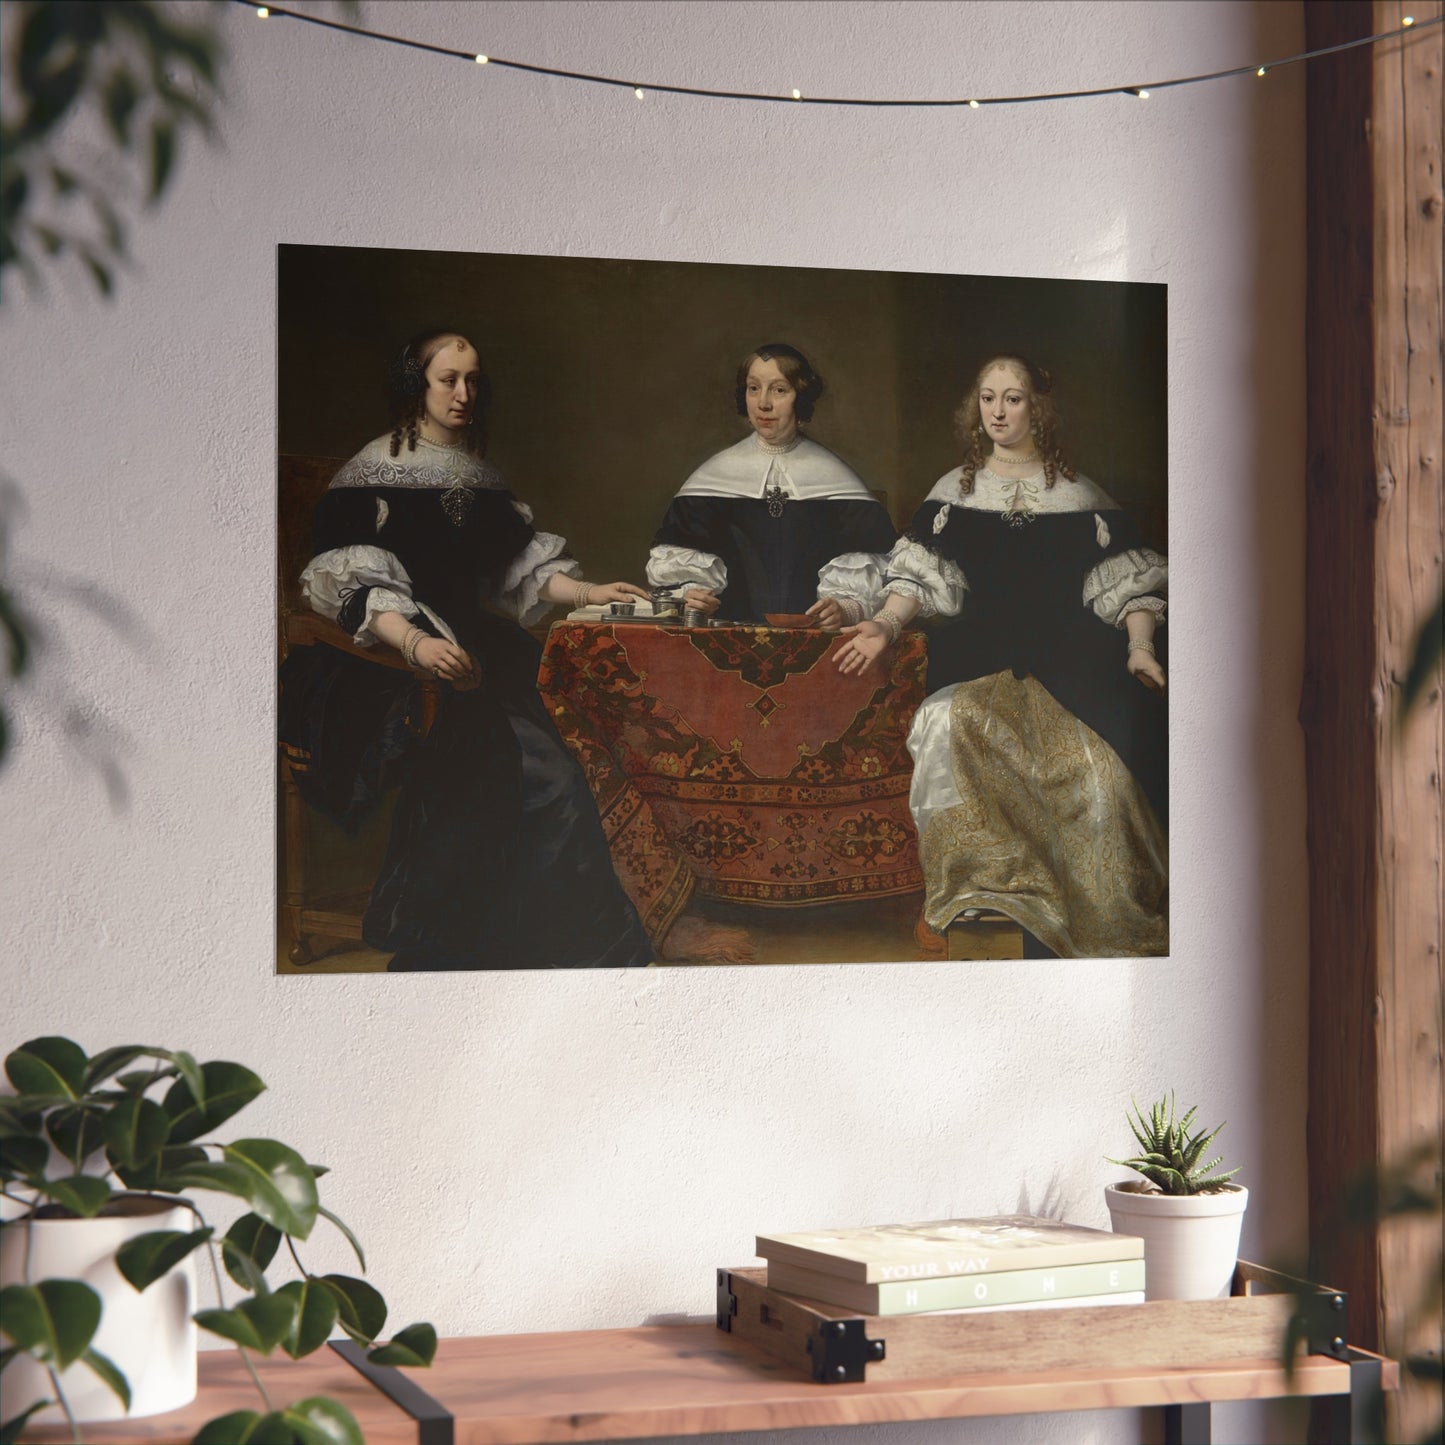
pixel 1140 91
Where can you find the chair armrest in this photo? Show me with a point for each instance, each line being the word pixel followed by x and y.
pixel 305 629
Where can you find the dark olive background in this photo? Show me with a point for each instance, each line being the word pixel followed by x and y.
pixel 612 380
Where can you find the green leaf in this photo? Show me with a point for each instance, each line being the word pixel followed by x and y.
pixel 283 1188
pixel 415 1345
pixel 259 1323
pixel 248 1248
pixel 76 1131
pixel 361 1309
pixel 245 1427
pixel 149 1257
pixel 351 1239
pixel 20 1158
pixel 156 1174
pixel 316 1311
pixel 11 1430
pixel 111 1061
pixel 49 1065
pixel 226 1089
pixel 83 1194
pixel 136 1131
pixel 319 1421
pixel 55 1320
pixel 106 1368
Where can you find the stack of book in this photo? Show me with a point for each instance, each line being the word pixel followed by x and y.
pixel 1011 1261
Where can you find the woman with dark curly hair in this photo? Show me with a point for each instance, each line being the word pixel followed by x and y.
pixel 1040 785
pixel 776 523
pixel 497 858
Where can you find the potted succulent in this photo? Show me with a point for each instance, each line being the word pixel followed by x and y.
pixel 1186 1211
pixel 102 1230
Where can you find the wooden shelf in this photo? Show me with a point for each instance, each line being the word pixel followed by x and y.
pixel 694 1379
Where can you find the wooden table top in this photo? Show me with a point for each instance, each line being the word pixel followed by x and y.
pixel 687 1380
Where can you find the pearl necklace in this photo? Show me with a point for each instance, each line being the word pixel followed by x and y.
pixel 1032 461
pixel 777 449
pixel 455 446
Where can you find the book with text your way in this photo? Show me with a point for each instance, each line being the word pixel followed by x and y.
pixel 963 1291
pixel 884 1253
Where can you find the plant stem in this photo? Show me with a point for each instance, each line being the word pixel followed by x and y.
pixel 221 1302
pixel 64 1404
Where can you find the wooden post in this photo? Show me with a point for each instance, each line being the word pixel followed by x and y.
pixel 1373 572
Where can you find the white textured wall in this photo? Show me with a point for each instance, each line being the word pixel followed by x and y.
pixel 527 1151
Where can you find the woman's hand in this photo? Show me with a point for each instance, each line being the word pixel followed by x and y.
pixel 867 641
pixel 603 592
pixel 701 600
pixel 447 662
pixel 828 613
pixel 1145 667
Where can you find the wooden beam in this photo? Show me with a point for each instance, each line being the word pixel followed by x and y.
pixel 1373 572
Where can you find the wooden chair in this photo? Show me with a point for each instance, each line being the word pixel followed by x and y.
pixel 306 911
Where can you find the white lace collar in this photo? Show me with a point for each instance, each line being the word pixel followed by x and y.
pixel 805 472
pixel 430 465
pixel 993 493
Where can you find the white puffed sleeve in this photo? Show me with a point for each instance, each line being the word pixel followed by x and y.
pixel 669 566
pixel 856 580
pixel 329 579
pixel 520 595
pixel 1131 581
pixel 934 582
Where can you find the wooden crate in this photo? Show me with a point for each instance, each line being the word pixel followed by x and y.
pixel 836 1345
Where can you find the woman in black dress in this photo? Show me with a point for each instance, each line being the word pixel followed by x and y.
pixel 775 523
pixel 496 858
pixel 1040 783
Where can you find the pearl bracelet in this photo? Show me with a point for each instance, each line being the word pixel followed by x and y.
pixel 409 645
pixel 892 621
pixel 584 595
pixel 1142 644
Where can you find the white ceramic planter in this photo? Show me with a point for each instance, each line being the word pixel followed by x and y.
pixel 150 1336
pixel 1191 1241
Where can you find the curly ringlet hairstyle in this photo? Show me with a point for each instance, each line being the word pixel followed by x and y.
pixel 795 367
pixel 407 384
pixel 1043 421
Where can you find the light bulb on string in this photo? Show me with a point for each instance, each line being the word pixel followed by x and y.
pixel 262 12
pixel 1142 94
pixel 483 59
pixel 638 92
pixel 797 95
pixel 1261 72
pixel 1407 22
pixel 973 105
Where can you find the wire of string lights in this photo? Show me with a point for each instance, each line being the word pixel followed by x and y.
pixel 641 88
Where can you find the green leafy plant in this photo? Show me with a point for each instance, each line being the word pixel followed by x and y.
pixel 82 1133
pixel 1171 1152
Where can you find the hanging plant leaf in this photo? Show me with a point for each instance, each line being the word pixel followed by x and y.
pixel 54 1320
pixel 282 1186
pixel 107 1370
pixel 415 1345
pixel 76 1130
pixel 155 1174
pixel 50 1065
pixel 136 1129
pixel 351 1239
pixel 226 1088
pixel 316 1311
pixel 248 1248
pixel 22 1157
pixel 111 1061
pixel 320 1421
pixel 260 1323
pixel 361 1309
pixel 149 1257
pixel 83 1194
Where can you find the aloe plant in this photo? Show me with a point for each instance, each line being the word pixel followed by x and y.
pixel 1171 1152
pixel 79 1131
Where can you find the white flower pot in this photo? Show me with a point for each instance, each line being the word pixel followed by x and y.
pixel 1191 1241
pixel 149 1336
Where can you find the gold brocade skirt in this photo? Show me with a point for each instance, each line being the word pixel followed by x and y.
pixel 1051 830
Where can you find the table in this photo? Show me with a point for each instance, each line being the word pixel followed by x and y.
pixel 693 1379
pixel 738 762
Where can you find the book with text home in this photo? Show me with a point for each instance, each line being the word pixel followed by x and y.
pixel 884 1252
pixel 962 1292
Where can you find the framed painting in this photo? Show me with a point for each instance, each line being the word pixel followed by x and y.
pixel 641 612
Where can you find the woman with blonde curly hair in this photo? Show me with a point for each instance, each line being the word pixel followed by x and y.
pixel 1040 786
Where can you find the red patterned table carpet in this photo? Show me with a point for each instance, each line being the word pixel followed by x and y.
pixel 739 761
